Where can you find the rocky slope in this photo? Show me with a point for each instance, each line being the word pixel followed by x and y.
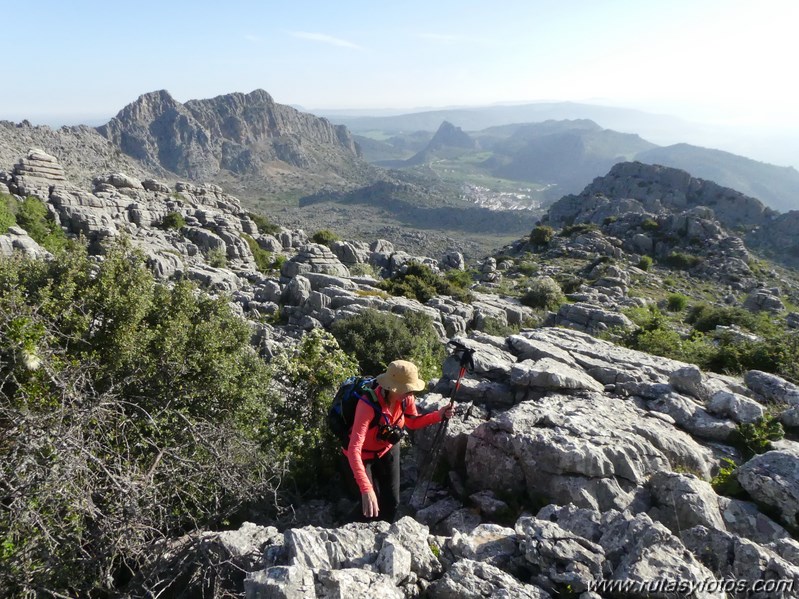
pixel 81 151
pixel 247 142
pixel 652 190
pixel 248 135
pixel 580 462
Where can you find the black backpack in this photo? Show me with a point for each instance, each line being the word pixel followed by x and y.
pixel 341 414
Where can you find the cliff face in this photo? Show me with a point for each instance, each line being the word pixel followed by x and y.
pixel 245 134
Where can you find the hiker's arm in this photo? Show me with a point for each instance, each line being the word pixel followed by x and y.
pixel 363 416
pixel 360 426
pixel 414 420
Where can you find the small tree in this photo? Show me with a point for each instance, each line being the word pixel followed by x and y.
pixel 376 338
pixel 541 235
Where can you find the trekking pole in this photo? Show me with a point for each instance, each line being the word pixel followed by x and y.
pixel 466 362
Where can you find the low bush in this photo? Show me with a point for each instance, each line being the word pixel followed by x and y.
pixel 541 235
pixel 376 338
pixel 263 259
pixel 543 293
pixel 305 379
pixel 706 318
pixel 498 328
pixel 419 282
pixel 756 437
pixel 645 263
pixel 676 302
pixel 726 353
pixel 325 237
pixel 527 268
pixel 264 225
pixel 173 220
pixel 128 415
pixel 462 279
pixel 726 481
pixel 8 211
pixel 217 257
pixel 32 215
pixel 577 229
pixel 650 224
pixel 681 260
pixel 363 269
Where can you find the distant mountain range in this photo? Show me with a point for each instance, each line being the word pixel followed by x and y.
pixel 254 147
pixel 566 155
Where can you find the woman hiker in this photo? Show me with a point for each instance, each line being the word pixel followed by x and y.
pixel 373 452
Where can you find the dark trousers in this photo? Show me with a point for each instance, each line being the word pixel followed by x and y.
pixel 384 474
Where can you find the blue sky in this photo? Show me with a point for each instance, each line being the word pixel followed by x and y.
pixel 725 61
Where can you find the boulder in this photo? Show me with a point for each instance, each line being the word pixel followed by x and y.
pixel 772 388
pixel 772 479
pixel 610 450
pixel 469 578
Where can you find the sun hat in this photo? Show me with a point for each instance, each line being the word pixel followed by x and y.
pixel 401 376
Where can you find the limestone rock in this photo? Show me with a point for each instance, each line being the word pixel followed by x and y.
pixel 772 478
pixel 468 578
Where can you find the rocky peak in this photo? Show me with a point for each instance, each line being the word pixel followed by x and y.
pixel 448 135
pixel 659 189
pixel 240 133
pixel 146 107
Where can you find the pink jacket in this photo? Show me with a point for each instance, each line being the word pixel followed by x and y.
pixel 364 444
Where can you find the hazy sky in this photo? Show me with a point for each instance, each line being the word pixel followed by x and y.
pixel 725 61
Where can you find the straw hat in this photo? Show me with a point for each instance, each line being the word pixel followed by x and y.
pixel 401 376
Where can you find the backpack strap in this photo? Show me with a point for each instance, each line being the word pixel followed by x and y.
pixel 370 398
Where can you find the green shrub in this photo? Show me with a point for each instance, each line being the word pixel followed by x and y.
pixel 264 225
pixel 645 263
pixel 754 438
pixel 541 235
pixel 497 327
pixel 462 279
pixel 376 338
pixel 650 224
pixel 569 282
pixel 133 407
pixel 217 257
pixel 681 260
pixel 527 268
pixel 577 229
pixel 279 261
pixel 660 342
pixel 706 318
pixel 609 220
pixel 419 282
pixel 263 259
pixel 726 481
pixel 363 269
pixel 324 237
pixel 676 302
pixel 306 378
pixel 173 220
pixel 544 293
pixel 8 211
pixel 32 215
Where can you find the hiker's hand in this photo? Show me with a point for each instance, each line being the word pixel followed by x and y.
pixel 369 502
pixel 447 411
